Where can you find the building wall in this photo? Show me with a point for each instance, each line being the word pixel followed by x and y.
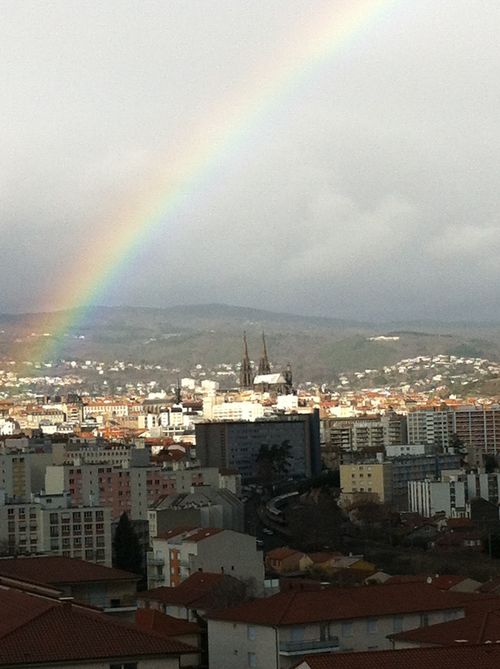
pixel 172 561
pixel 157 663
pixel 15 475
pixel 232 553
pixel 375 478
pixel 229 645
pixel 235 641
pixel 235 445
pixel 19 527
pixel 83 532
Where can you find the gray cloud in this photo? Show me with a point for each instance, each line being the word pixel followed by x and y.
pixel 369 190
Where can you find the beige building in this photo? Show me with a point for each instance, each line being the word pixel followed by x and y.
pixel 374 478
pixel 15 475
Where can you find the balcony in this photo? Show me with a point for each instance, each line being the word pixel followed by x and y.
pixel 309 646
pixel 154 561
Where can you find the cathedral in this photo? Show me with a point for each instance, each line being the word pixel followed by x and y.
pixel 265 380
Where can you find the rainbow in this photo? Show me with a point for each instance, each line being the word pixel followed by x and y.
pixel 191 169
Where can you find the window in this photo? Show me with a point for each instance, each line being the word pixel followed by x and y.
pixel 252 660
pixel 424 620
pixel 371 625
pixel 398 623
pixel 346 629
pixel 251 633
pixel 124 665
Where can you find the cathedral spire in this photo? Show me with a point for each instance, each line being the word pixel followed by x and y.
pixel 246 376
pixel 264 366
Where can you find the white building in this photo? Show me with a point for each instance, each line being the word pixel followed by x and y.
pixel 181 552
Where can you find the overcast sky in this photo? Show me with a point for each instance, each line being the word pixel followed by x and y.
pixel 369 190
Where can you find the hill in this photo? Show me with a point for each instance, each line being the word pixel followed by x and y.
pixel 183 336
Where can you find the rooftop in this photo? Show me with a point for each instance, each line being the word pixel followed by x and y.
pixel 452 657
pixel 200 590
pixel 41 630
pixel 56 569
pixel 298 607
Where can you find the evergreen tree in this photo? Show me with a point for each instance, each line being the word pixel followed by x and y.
pixel 127 549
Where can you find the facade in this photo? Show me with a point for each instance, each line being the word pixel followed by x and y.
pixel 388 480
pixel 453 494
pixel 203 506
pixel 430 497
pixel 130 490
pixel 51 525
pixel 397 450
pixel 277 631
pixel 429 427
pixel 375 478
pixel 476 427
pixel 15 475
pixel 235 445
pixel 181 552
pixel 355 434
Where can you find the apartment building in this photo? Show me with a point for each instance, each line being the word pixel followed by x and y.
pixel 388 479
pixel 235 445
pixel 374 478
pixel 130 490
pixel 15 474
pixel 276 632
pixel 476 427
pixel 452 494
pixel 51 525
pixel 179 553
pixel 203 506
pixel 429 427
pixel 354 434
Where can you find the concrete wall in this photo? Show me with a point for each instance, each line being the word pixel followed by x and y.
pixel 229 645
pixel 234 554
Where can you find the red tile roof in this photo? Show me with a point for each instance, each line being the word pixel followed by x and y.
pixel 200 590
pixel 451 657
pixel 156 621
pixel 56 569
pixel 321 558
pixel 298 607
pixel 443 582
pixel 203 533
pixel 40 630
pixel 481 624
pixel 175 532
pixel 282 553
pixel 490 586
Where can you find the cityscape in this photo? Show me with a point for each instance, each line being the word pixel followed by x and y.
pixel 249 334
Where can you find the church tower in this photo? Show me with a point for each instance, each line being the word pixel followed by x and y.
pixel 288 379
pixel 246 375
pixel 264 366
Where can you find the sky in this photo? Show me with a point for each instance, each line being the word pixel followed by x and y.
pixel 367 189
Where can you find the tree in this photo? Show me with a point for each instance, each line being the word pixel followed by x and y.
pixel 127 549
pixel 273 461
pixel 490 463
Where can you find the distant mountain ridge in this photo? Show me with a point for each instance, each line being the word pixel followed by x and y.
pixel 210 334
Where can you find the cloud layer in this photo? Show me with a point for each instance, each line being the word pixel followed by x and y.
pixel 369 191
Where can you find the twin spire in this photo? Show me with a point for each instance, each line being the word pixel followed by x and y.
pixel 246 371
